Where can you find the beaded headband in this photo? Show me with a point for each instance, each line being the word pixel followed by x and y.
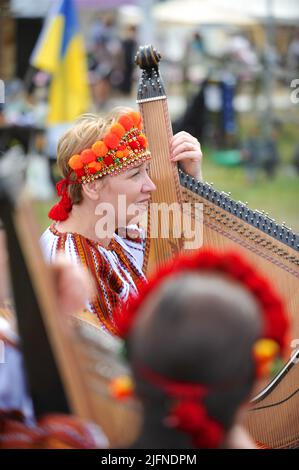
pixel 123 147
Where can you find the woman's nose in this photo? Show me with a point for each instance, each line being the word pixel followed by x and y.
pixel 148 185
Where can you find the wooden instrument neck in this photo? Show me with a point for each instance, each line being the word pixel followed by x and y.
pixel 162 242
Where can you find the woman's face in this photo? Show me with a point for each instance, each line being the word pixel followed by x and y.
pixel 128 193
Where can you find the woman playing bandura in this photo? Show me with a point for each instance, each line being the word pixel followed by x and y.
pixel 104 161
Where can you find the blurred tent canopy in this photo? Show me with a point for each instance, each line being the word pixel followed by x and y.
pixel 199 12
pixel 217 12
pixel 130 14
pixel 34 8
pixel 29 8
pixel 105 4
pixel 282 11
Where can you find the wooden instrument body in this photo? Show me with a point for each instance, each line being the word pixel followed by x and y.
pixel 101 363
pixel 69 362
pixel 273 418
pixel 88 359
pixel 277 405
pixel 228 224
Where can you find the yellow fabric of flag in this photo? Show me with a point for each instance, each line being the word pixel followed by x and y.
pixel 60 52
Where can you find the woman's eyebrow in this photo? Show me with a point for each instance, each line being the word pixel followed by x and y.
pixel 136 167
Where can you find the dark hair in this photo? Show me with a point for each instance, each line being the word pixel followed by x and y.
pixel 198 328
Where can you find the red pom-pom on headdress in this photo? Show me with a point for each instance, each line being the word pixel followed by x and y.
pixel 88 156
pixel 136 118
pixel 111 140
pixel 61 210
pixel 126 121
pixel 187 412
pixel 118 129
pixel 191 416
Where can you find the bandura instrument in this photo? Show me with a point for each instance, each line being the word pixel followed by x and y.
pixel 273 419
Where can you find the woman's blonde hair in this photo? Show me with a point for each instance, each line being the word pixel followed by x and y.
pixel 87 130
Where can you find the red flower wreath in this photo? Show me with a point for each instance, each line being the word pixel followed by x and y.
pixel 275 319
pixel 187 412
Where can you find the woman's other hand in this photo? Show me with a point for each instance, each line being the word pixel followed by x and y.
pixel 187 150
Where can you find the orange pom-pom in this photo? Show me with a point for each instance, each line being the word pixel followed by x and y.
pixel 88 156
pixel 97 166
pixel 142 140
pixel 111 140
pixel 136 118
pixel 126 121
pixel 126 152
pixel 118 129
pixel 122 387
pixel 75 162
pixel 100 148
pixel 265 350
pixel 140 126
pixel 119 154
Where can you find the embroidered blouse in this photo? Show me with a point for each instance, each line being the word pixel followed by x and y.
pixel 116 269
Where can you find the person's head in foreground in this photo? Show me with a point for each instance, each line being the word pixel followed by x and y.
pixel 100 159
pixel 199 335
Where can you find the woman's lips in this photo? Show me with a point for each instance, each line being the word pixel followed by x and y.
pixel 143 201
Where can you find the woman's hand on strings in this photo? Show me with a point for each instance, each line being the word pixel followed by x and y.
pixel 187 150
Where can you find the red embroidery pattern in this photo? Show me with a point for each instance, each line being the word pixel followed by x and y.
pixel 113 286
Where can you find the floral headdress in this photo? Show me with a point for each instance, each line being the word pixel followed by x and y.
pixel 188 412
pixel 123 147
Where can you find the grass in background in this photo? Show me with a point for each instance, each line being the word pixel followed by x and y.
pixel 279 197
pixel 41 209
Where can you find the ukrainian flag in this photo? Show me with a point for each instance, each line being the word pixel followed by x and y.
pixel 60 51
